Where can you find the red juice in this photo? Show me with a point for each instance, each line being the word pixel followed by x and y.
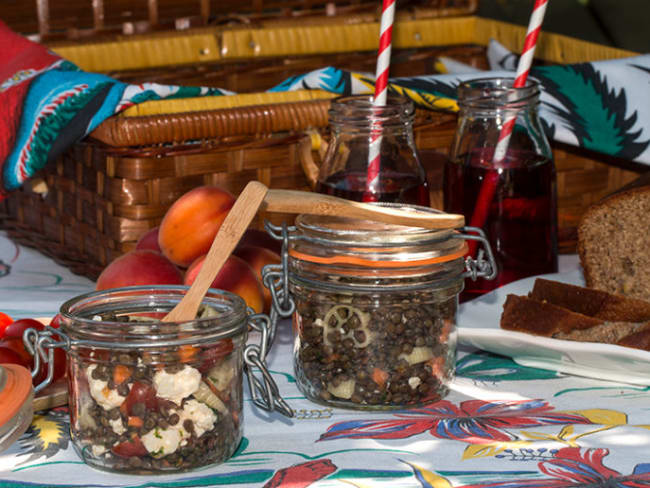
pixel 521 223
pixel 393 187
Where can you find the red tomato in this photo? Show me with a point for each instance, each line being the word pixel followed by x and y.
pixel 130 448
pixel 56 321
pixel 17 328
pixel 16 345
pixel 141 393
pixel 215 354
pixel 5 320
pixel 10 356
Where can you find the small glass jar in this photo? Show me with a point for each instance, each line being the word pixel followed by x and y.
pixel 147 396
pixel 374 310
pixel 356 125
pixel 506 186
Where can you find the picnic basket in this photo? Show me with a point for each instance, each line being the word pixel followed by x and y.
pixel 107 190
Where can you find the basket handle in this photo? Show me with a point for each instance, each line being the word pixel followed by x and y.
pixel 312 142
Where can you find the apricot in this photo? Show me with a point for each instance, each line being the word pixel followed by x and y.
pixel 261 238
pixel 190 224
pixel 140 267
pixel 149 240
pixel 257 257
pixel 235 276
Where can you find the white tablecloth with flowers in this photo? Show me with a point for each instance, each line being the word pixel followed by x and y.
pixel 502 425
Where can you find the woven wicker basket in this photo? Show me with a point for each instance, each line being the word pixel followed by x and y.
pixel 109 189
pixel 77 19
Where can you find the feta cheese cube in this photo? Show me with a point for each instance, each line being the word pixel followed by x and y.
pixel 177 386
pixel 101 393
pixel 161 442
pixel 200 414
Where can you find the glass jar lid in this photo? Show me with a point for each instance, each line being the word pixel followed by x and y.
pixel 98 318
pixel 16 397
pixel 341 240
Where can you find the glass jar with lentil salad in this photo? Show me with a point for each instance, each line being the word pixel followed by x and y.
pixel 373 308
pixel 153 397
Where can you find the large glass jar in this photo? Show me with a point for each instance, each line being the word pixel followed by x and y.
pixel 147 396
pixel 356 126
pixel 503 180
pixel 375 310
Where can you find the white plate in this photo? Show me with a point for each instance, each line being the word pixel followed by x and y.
pixel 478 326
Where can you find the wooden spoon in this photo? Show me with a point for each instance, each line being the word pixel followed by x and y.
pixel 294 201
pixel 236 222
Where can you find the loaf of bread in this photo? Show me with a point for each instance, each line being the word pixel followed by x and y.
pixel 564 311
pixel 612 243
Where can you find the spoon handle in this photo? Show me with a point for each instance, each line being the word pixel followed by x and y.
pixel 294 201
pixel 236 222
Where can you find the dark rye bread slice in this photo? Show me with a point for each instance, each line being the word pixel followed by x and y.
pixel 612 242
pixel 524 314
pixel 588 301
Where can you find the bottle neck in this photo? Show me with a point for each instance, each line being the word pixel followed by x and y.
pixel 496 97
pixel 499 123
pixel 355 115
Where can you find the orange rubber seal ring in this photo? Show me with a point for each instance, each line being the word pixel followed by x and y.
pixel 16 391
pixel 378 264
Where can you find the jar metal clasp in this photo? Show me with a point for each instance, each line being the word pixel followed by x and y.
pixel 484 266
pixel 264 393
pixel 41 345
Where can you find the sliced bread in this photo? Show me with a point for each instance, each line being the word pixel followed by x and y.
pixel 524 314
pixel 588 301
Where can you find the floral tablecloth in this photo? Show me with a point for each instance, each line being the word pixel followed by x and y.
pixel 502 425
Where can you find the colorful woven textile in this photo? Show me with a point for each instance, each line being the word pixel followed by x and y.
pixel 48 103
pixel 601 106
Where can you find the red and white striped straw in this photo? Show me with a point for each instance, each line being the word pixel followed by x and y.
pixel 381 92
pixel 523 68
pixel 488 188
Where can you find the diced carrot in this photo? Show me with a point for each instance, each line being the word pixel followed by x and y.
pixel 121 373
pixel 134 421
pixel 332 357
pixel 187 353
pixel 436 365
pixel 379 376
pixel 447 324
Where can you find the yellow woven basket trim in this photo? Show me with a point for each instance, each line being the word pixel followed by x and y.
pixel 138 53
pixel 158 107
pixel 214 44
pixel 206 45
pixel 553 48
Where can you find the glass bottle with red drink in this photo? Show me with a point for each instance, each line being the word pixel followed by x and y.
pixel 511 195
pixel 355 125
